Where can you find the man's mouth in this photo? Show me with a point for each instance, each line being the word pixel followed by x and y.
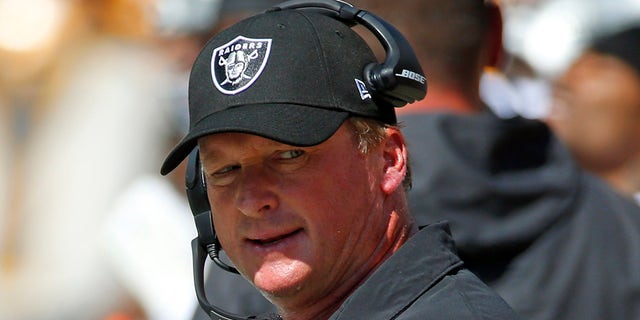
pixel 274 240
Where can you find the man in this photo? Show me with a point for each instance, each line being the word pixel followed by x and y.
pixel 596 109
pixel 305 176
pixel 454 51
pixel 552 240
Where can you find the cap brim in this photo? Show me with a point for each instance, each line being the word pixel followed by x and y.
pixel 291 124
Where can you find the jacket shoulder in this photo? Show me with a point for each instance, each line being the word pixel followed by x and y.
pixel 459 295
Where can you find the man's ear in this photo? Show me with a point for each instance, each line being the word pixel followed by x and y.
pixel 395 160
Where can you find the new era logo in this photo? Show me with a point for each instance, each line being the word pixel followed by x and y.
pixel 362 88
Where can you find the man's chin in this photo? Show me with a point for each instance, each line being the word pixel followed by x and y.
pixel 281 279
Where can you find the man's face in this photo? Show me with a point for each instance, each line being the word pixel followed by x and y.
pixel 596 110
pixel 299 223
pixel 235 70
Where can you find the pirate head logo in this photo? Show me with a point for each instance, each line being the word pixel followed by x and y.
pixel 237 64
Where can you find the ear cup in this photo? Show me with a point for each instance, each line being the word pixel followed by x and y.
pixel 378 80
pixel 399 80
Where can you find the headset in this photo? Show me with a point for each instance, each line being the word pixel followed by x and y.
pixel 397 81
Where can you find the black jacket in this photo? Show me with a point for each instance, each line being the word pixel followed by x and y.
pixel 552 240
pixel 424 279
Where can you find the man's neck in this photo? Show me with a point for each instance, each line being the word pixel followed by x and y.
pixel 625 179
pixel 443 99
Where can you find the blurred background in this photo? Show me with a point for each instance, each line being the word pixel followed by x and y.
pixel 93 95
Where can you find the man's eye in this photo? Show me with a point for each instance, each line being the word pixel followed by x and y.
pixel 225 170
pixel 291 154
pixel 222 176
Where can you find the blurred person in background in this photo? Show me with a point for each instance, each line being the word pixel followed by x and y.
pixel 596 109
pixel 455 52
pixel 507 84
pixel 151 213
pixel 554 241
pixel 84 126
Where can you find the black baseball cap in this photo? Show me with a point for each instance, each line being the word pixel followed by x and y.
pixel 289 75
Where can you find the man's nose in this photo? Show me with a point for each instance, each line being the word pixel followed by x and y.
pixel 255 195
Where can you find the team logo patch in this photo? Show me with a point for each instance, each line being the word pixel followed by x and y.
pixel 237 64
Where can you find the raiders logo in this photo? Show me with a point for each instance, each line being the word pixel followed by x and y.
pixel 237 64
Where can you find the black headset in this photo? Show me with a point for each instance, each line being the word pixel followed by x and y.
pixel 398 80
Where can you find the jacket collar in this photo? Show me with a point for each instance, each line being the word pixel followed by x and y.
pixel 419 264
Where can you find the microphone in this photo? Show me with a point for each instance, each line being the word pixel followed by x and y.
pixel 214 253
pixel 199 258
